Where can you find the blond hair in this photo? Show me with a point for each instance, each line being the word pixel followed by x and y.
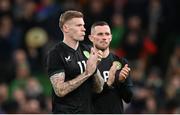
pixel 68 15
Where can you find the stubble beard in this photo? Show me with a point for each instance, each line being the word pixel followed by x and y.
pixel 100 48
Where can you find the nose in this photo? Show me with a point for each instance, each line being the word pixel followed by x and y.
pixel 104 37
pixel 83 28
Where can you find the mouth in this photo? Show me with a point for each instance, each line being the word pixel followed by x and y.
pixel 83 34
pixel 103 42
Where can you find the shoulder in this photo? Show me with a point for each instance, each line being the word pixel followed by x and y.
pixel 123 60
pixel 56 48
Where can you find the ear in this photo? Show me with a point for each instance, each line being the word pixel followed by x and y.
pixel 65 28
pixel 111 38
pixel 91 38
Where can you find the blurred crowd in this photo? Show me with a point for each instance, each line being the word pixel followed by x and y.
pixel 146 32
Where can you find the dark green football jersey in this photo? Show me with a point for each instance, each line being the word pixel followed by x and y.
pixel 110 99
pixel 63 58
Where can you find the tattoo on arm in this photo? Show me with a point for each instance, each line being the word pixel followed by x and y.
pixel 62 88
pixel 98 82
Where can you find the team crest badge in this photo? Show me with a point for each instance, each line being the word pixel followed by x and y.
pixel 119 65
pixel 86 53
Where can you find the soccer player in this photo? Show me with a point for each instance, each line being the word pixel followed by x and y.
pixel 115 71
pixel 72 68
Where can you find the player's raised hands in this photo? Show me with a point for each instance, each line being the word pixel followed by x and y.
pixel 112 72
pixel 94 58
pixel 100 55
pixel 124 73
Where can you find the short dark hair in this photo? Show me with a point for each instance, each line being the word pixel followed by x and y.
pixel 67 15
pixel 99 23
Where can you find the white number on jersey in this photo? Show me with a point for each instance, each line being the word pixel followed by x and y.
pixel 82 65
pixel 105 75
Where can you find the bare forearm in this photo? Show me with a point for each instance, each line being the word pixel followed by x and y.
pixel 71 85
pixel 62 88
pixel 98 82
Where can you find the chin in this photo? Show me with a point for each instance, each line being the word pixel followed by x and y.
pixel 80 39
pixel 101 48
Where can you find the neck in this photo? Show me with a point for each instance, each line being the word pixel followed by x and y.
pixel 71 43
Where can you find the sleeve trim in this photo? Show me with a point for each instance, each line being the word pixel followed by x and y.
pixel 55 72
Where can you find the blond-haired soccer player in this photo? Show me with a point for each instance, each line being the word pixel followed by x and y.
pixel 72 68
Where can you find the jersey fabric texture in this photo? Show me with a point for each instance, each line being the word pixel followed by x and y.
pixel 110 99
pixel 63 58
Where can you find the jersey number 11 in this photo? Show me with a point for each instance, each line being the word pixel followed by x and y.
pixel 82 65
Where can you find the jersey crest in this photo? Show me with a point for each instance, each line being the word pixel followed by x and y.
pixel 119 65
pixel 86 53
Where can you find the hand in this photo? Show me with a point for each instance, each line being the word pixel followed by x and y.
pixel 92 62
pixel 100 55
pixel 124 73
pixel 112 72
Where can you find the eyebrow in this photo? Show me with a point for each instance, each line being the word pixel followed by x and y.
pixel 101 33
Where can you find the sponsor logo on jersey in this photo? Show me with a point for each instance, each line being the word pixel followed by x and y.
pixel 119 65
pixel 68 59
pixel 86 53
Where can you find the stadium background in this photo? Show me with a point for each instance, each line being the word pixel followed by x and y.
pixel 146 32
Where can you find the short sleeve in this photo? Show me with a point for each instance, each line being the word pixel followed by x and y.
pixel 54 63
